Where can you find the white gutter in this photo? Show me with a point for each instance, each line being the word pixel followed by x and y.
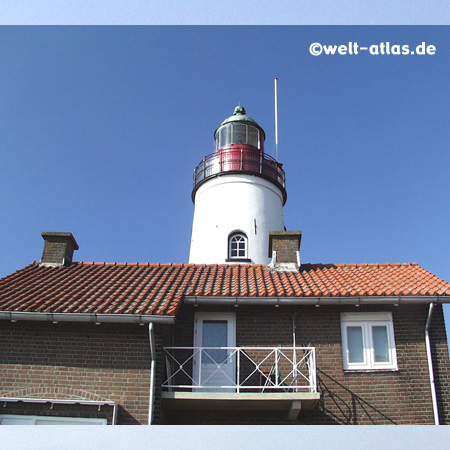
pixel 430 366
pixel 64 402
pixel 151 336
pixel 316 301
pixel 91 318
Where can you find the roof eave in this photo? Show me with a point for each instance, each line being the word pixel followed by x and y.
pixel 318 301
pixel 140 319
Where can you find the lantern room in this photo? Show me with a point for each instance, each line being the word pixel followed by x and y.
pixel 239 129
pixel 239 148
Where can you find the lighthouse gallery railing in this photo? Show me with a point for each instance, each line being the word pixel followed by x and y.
pixel 241 160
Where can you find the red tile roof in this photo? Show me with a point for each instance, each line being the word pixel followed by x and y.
pixel 111 288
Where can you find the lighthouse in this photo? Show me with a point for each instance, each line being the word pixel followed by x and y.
pixel 239 193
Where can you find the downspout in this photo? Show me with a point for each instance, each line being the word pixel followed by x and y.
pixel 430 366
pixel 114 417
pixel 152 372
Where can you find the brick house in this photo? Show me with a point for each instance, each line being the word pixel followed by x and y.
pixel 243 334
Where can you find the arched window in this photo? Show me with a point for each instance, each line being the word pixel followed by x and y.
pixel 237 246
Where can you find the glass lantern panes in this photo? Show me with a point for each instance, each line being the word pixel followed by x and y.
pixel 239 133
pixel 253 137
pixel 224 136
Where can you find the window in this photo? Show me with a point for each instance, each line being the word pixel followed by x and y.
pixel 237 246
pixel 237 133
pixel 215 334
pixel 368 341
pixel 48 420
pixel 253 137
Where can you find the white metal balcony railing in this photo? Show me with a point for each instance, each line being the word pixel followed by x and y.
pixel 241 369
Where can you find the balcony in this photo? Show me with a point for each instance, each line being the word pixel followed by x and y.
pixel 240 159
pixel 241 378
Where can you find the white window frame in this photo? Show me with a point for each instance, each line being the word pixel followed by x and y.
pixel 245 238
pixel 367 321
pixel 41 420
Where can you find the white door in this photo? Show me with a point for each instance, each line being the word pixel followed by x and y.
pixel 215 367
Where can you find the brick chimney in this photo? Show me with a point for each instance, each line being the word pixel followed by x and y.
pixel 284 248
pixel 58 248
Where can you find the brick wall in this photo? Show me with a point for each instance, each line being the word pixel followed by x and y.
pixel 112 363
pixel 286 244
pixel 79 361
pixel 384 397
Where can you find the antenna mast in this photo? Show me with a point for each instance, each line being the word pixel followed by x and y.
pixel 276 116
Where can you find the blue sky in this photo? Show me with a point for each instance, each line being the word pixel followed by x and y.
pixel 101 128
pixel 231 12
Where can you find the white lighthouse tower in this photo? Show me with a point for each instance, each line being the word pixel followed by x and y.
pixel 239 193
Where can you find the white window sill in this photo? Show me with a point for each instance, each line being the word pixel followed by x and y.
pixel 238 260
pixel 371 370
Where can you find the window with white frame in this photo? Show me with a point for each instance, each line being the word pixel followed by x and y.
pixel 237 246
pixel 9 419
pixel 368 341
